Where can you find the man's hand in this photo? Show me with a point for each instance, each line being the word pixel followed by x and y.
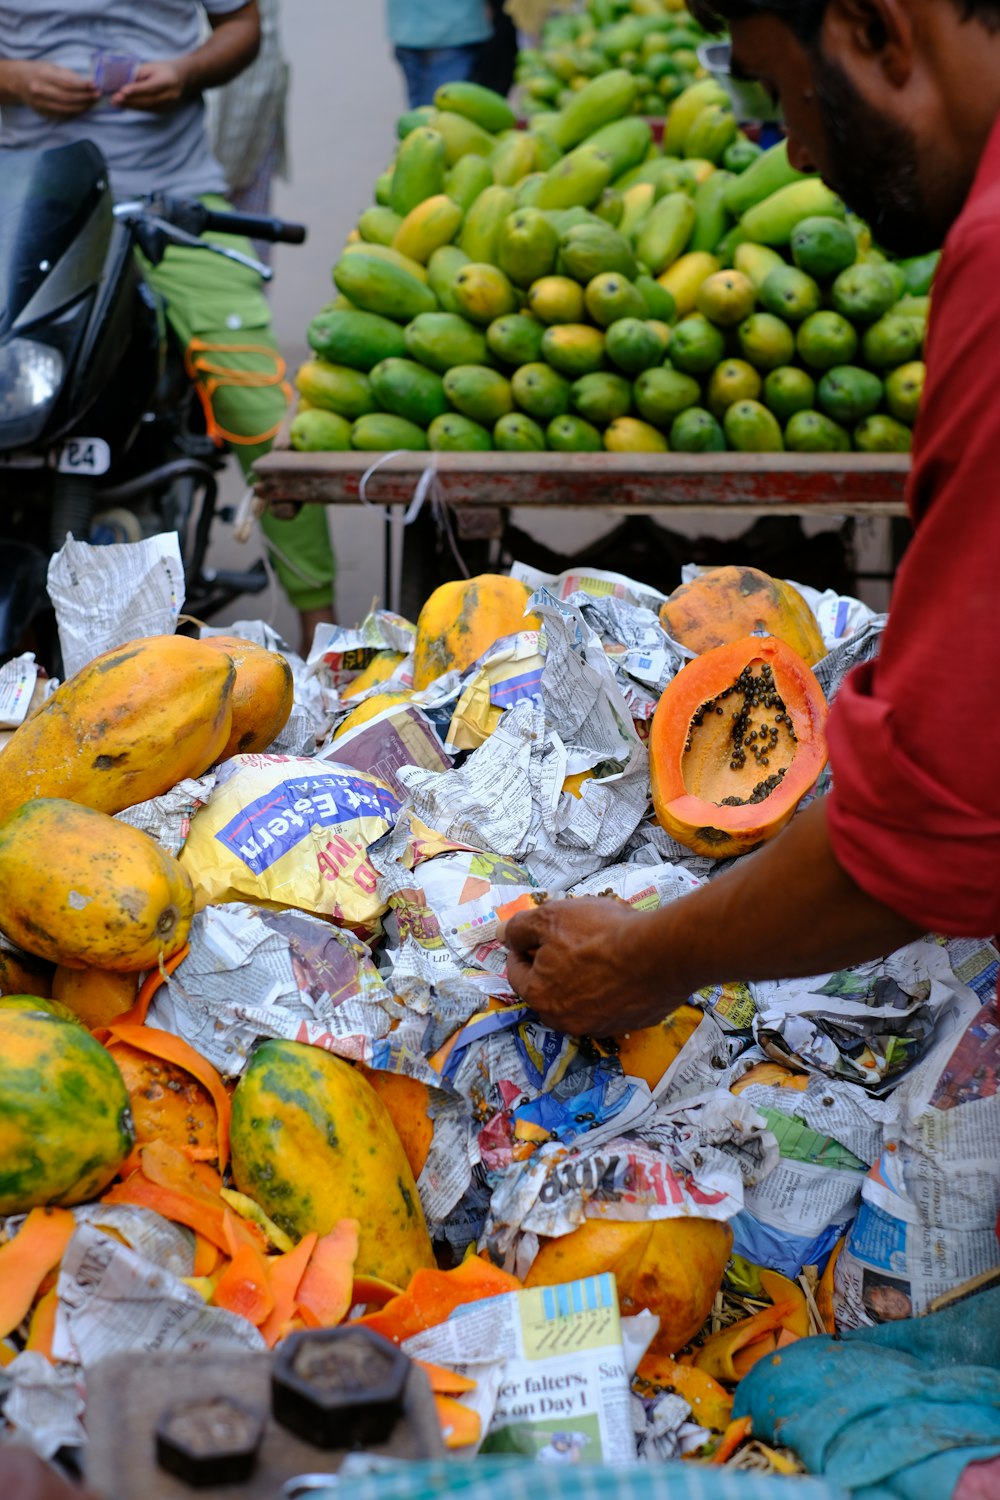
pixel 25 1476
pixel 585 966
pixel 156 87
pixel 58 93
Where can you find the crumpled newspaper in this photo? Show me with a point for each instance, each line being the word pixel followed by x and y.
pixel 105 596
pixel 689 1160
pixel 443 899
pixel 43 1403
pixel 253 972
pixel 867 1024
pixel 167 818
pixel 111 1300
pixel 507 795
pixel 340 652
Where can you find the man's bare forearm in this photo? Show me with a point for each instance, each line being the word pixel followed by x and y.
pixel 787 911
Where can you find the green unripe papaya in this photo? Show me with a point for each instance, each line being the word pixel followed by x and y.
pixel 526 246
pixel 378 286
pixel 773 221
pixel 335 388
pixel 357 339
pixel 442 269
pixel 482 223
pixel 378 225
pixel 485 108
pixel 479 393
pixel 516 339
pixel 454 433
pixel 419 170
pixel 381 432
pixel 441 339
pixel 666 232
pixel 518 433
pixel 409 390
pixel 469 177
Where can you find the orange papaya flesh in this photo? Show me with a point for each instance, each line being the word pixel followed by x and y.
pixel 711 1404
pixel 324 1294
pixel 460 1425
pixel 41 1330
pixel 716 1354
pixel 737 741
pixel 432 1296
pixel 244 1288
pixel 173 1050
pixel 780 1289
pixel 286 1272
pixel 27 1259
pixel 445 1382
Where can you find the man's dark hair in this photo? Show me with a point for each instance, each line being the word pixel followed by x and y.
pixel 804 17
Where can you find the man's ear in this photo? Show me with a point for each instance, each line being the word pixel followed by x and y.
pixel 871 33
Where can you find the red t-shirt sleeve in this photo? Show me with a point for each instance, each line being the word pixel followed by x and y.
pixel 914 813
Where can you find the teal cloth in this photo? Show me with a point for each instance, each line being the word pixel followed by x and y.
pixel 893 1411
pixel 490 1478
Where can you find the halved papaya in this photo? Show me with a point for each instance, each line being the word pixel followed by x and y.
pixel 737 740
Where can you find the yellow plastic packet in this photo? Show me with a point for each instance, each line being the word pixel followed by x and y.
pixel 292 832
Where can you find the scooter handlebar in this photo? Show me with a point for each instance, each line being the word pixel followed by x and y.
pixel 254 226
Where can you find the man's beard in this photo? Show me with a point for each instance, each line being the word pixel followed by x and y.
pixel 873 165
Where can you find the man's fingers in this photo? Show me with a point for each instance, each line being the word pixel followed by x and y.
pixel 519 970
pixel 526 930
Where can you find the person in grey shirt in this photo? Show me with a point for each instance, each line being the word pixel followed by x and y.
pixel 151 131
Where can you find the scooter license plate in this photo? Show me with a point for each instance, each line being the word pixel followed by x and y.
pixel 84 456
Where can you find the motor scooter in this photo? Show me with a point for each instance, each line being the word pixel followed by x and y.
pixel 101 434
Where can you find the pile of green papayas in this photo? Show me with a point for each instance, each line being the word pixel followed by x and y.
pixel 657 42
pixel 575 287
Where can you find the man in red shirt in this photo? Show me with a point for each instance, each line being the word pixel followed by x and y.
pixel 896 103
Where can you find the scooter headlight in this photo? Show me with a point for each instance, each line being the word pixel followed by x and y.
pixel 31 374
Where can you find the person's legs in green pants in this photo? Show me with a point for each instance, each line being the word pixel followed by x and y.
pixel 219 314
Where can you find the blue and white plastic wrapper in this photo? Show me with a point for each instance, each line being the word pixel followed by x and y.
pixel 289 831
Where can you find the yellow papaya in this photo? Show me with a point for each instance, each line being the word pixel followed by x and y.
pixel 381 666
pixel 427 227
pixel 126 727
pixel 313 1143
pixel 94 996
pixel 85 891
pixel 262 694
pixel 461 620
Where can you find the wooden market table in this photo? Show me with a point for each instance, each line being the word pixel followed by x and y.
pixel 480 489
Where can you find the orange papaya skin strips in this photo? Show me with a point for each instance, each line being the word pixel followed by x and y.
pixel 27 1259
pixel 286 1272
pixel 715 1356
pixel 325 1291
pixel 244 1286
pixel 734 1435
pixel 432 1297
pixel 445 1382
pixel 460 1425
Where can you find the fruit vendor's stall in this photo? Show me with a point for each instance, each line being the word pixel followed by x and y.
pixel 481 489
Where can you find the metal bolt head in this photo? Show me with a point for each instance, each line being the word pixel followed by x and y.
pixel 209 1443
pixel 338 1387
